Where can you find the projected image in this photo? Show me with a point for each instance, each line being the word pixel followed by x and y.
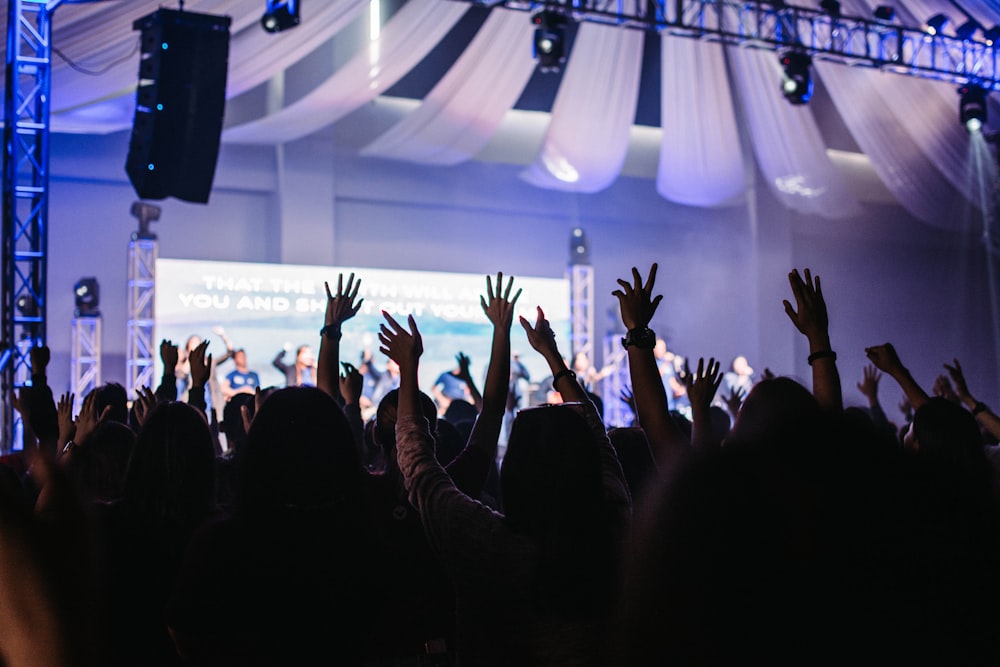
pixel 270 310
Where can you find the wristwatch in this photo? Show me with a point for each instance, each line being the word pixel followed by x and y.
pixel 641 337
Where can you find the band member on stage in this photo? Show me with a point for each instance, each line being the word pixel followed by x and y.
pixel 242 380
pixel 302 372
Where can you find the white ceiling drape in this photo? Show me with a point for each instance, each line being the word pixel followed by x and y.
pixel 899 162
pixel 405 39
pixel 588 134
pixel 701 163
pixel 786 140
pixel 907 126
pixel 463 111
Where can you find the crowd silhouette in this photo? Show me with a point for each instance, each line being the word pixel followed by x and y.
pixel 769 525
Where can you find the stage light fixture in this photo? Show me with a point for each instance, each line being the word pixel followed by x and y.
pixel 579 249
pixel 885 13
pixel 280 15
pixel 992 35
pixel 87 296
pixel 831 7
pixel 972 107
pixel 550 40
pixel 967 30
pixel 26 305
pixel 936 24
pixel 796 82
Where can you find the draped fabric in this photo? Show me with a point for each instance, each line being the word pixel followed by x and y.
pixel 899 162
pixel 701 163
pixel 411 33
pixel 463 111
pixel 105 102
pixel 786 141
pixel 907 126
pixel 585 145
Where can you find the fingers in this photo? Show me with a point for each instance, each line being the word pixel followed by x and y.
pixel 652 279
pixel 396 326
pixel 517 295
pixel 510 286
pixel 340 284
pixel 326 285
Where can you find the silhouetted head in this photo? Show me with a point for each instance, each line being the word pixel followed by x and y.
pixel 113 394
pixel 299 454
pixel 636 458
pixel 777 412
pixel 460 410
pixel 232 419
pixel 171 474
pixel 947 438
pixel 551 470
pixel 385 419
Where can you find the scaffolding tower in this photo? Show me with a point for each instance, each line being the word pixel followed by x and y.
pixel 85 358
pixel 27 97
pixel 142 254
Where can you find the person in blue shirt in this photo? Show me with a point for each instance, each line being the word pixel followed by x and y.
pixel 242 380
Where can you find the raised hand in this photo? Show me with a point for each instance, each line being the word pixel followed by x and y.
pixel 463 365
pixel 401 345
pixel 39 356
pixel 869 383
pixel 541 337
pixel 341 307
pixel 734 401
pixel 809 315
pixel 201 365
pixel 636 300
pixel 351 384
pixel 703 383
pixel 88 421
pixel 958 377
pixel 64 413
pixel 885 359
pixel 169 356
pixel 942 388
pixel 499 309
pixel 145 401
pixel 245 415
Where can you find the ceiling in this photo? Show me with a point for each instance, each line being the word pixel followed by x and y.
pixel 444 82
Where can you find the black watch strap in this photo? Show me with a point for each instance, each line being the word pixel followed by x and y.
pixel 642 338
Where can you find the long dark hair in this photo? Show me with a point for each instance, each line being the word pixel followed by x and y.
pixel 552 493
pixel 171 475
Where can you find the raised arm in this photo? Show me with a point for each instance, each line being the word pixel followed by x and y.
pixel 201 369
pixel 405 347
pixel 886 360
pixel 986 417
pixel 869 388
pixel 466 377
pixel 351 384
pixel 811 319
pixel 340 307
pixel 701 388
pixel 638 305
pixel 543 340
pixel 167 391
pixel 472 465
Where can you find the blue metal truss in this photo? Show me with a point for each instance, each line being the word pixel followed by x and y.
pixel 25 198
pixel 871 42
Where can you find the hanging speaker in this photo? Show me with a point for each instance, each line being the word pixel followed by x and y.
pixel 180 104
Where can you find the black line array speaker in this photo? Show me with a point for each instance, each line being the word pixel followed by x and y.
pixel 180 104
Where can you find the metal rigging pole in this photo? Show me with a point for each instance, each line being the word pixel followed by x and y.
pixel 25 198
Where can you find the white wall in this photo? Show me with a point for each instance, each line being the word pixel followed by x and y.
pixel 723 272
